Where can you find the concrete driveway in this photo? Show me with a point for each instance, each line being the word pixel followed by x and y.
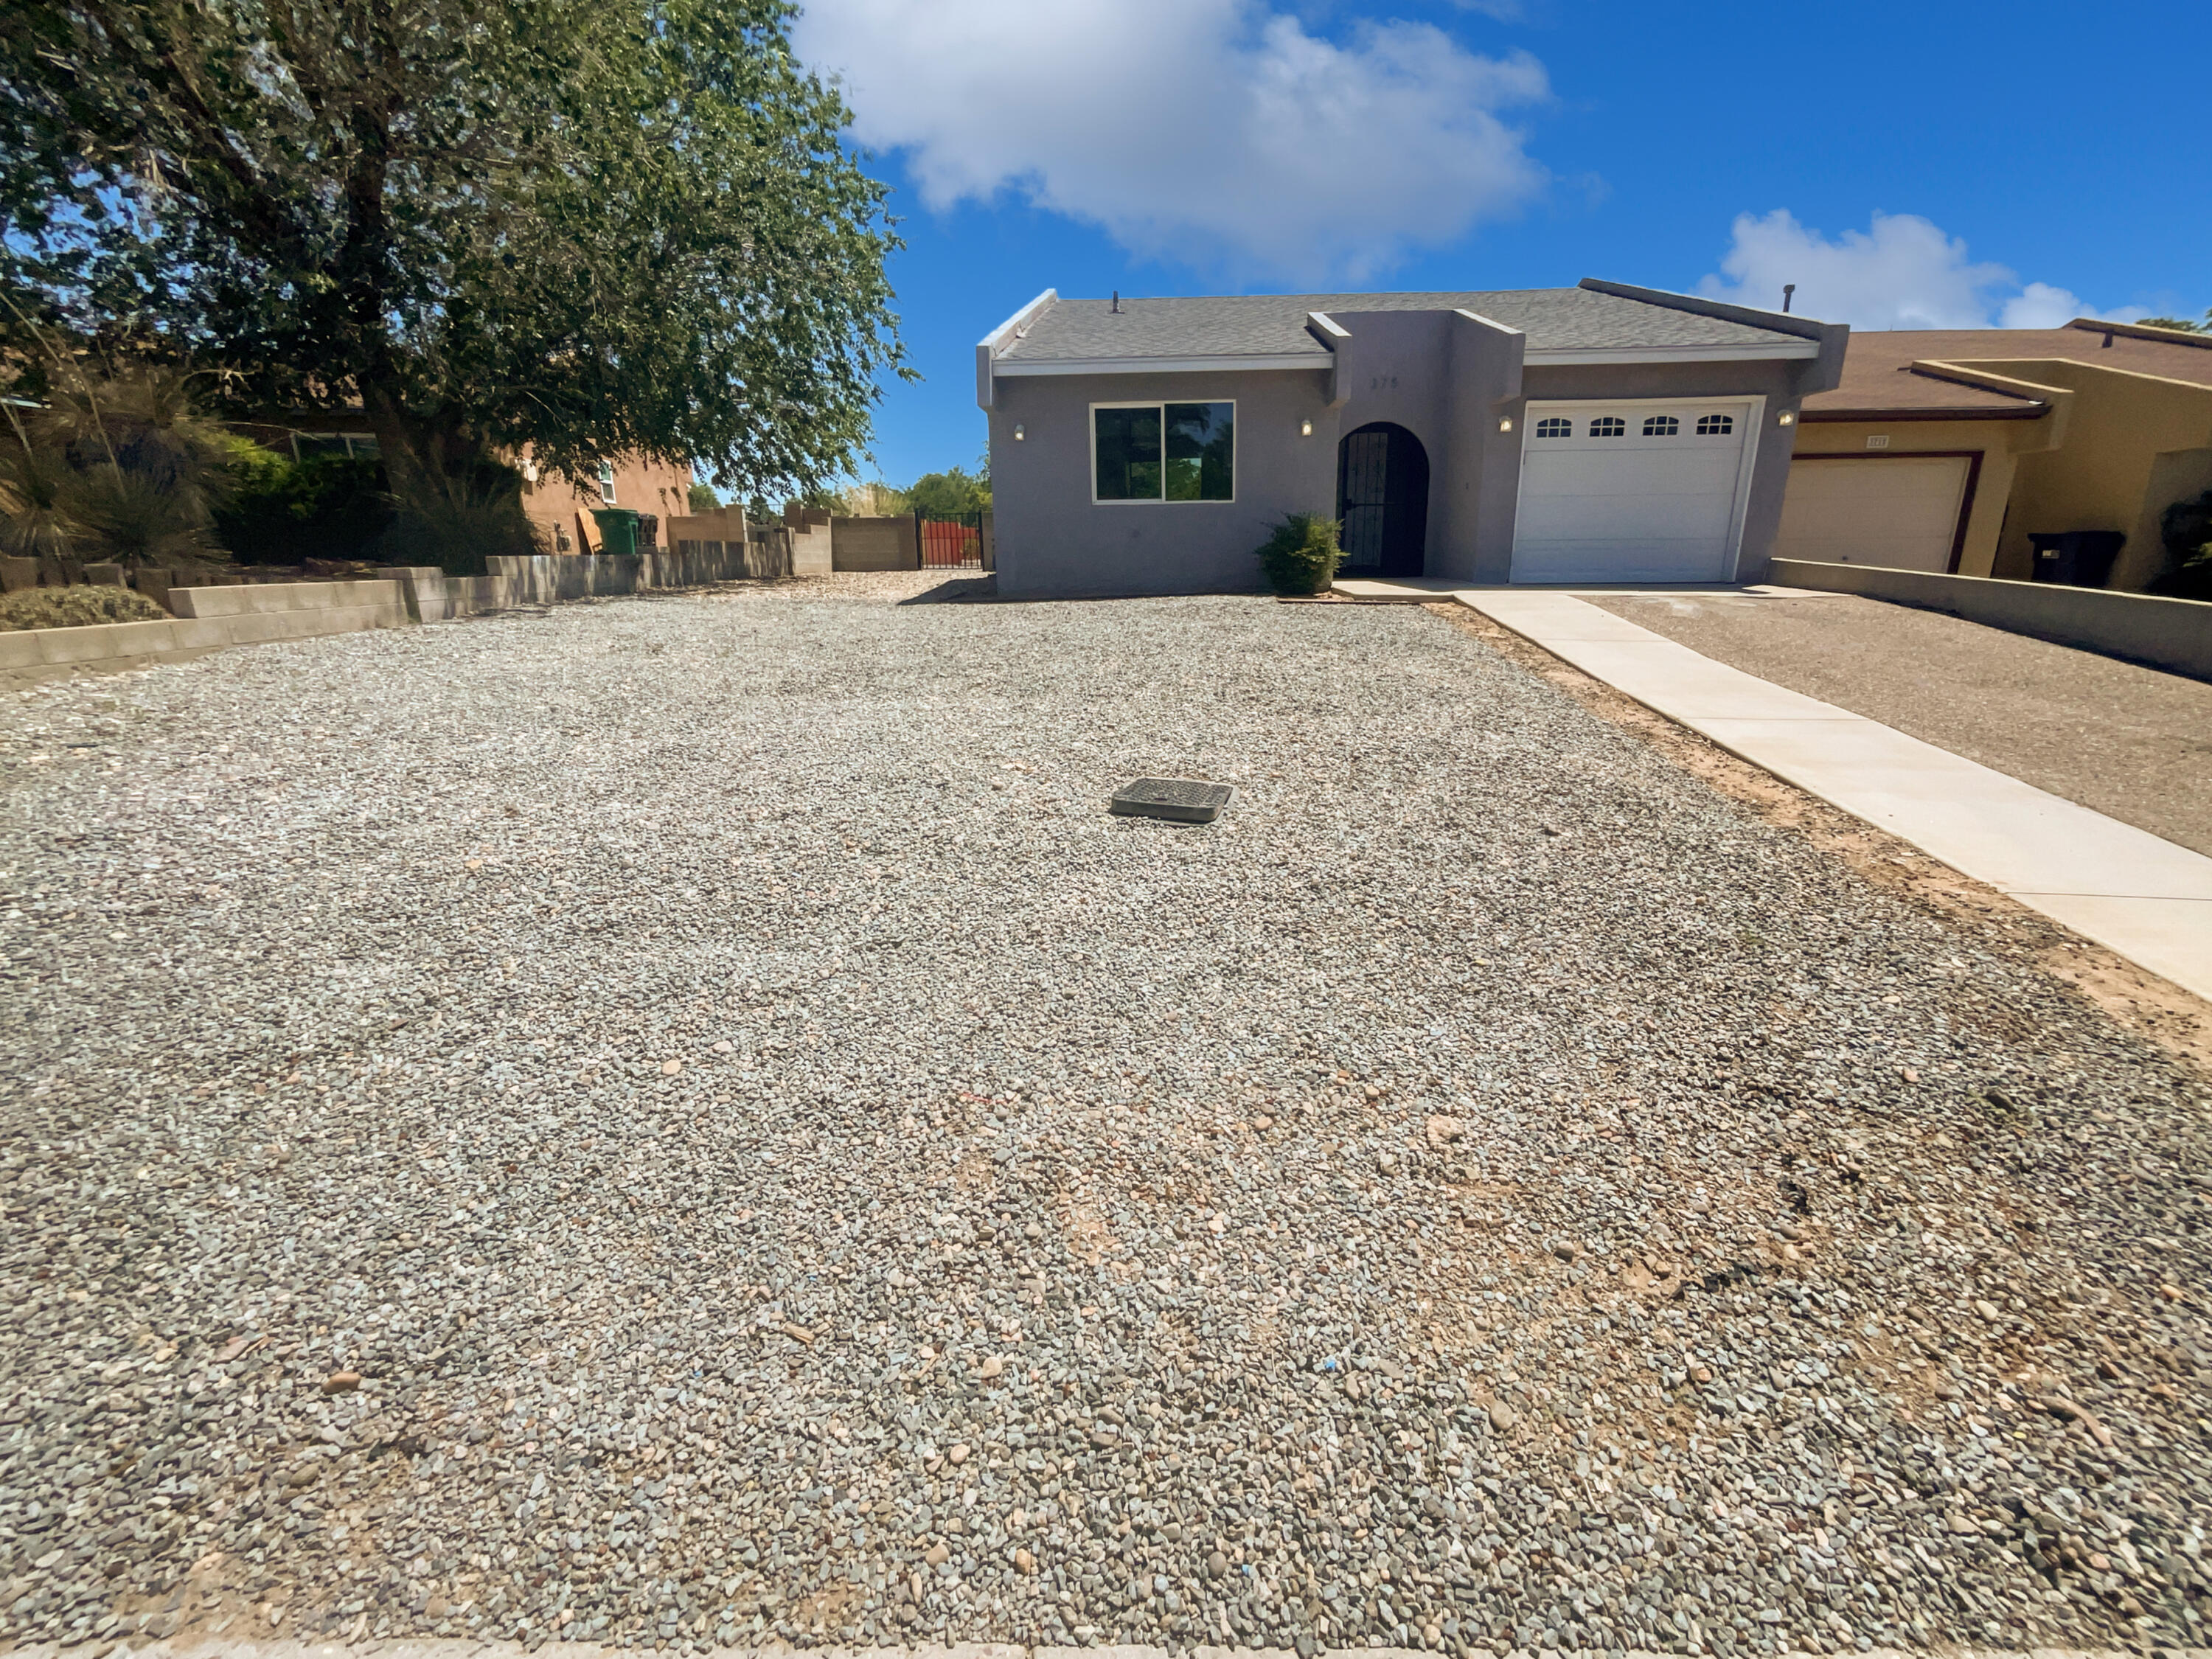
pixel 2131 742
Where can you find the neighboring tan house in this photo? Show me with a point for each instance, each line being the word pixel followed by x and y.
pixel 565 511
pixel 1945 450
pixel 1597 434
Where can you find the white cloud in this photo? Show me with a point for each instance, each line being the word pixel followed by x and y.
pixel 1216 132
pixel 1903 272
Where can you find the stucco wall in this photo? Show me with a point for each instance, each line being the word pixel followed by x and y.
pixel 2135 444
pixel 1054 541
pixel 1446 378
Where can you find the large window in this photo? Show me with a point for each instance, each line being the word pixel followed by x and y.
pixel 1164 451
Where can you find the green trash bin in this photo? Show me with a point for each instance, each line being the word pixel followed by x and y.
pixel 617 529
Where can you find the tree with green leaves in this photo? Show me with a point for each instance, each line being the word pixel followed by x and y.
pixel 952 494
pixel 2182 324
pixel 596 229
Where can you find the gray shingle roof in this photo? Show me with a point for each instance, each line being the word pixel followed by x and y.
pixel 1274 325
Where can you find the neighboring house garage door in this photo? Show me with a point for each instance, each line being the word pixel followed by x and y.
pixel 1632 492
pixel 1903 512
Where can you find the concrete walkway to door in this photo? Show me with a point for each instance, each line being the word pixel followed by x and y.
pixel 2136 894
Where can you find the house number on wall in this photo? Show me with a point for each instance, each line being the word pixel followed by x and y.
pixel 1383 382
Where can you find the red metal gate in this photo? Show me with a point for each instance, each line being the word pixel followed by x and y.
pixel 953 544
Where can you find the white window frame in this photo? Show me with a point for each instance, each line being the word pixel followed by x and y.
pixel 1755 433
pixel 607 484
pixel 1236 461
pixel 349 439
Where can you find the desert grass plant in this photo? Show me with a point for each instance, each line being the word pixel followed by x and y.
pixel 116 465
pixel 457 523
pixel 75 607
pixel 1302 556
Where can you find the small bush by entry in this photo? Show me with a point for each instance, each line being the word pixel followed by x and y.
pixel 1302 556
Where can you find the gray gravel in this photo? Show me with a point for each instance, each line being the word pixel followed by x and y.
pixel 683 1120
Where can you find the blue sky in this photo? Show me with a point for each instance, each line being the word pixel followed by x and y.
pixel 1936 164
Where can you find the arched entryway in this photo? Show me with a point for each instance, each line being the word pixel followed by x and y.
pixel 1382 497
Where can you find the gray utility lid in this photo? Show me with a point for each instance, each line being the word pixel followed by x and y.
pixel 1179 800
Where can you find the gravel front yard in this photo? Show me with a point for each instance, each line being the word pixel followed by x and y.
pixel 781 1161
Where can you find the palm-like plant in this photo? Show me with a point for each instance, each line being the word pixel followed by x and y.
pixel 117 467
pixel 34 519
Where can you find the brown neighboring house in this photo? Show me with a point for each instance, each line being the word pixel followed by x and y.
pixel 1945 449
pixel 563 511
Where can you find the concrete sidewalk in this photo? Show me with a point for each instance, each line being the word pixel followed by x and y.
pixel 2142 896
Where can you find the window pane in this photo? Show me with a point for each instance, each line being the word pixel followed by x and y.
pixel 1128 453
pixel 1202 452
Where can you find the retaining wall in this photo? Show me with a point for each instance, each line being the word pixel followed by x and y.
pixel 2175 635
pixel 209 618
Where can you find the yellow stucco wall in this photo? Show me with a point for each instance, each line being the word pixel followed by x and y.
pixel 1997 442
pixel 2135 444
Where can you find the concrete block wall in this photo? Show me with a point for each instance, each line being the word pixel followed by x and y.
pixel 2175 635
pixel 884 543
pixel 209 618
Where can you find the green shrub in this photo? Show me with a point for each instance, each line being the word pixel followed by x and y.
pixel 75 607
pixel 1302 556
pixel 285 512
pixel 2186 529
pixel 462 523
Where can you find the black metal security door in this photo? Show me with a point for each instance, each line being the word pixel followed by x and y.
pixel 1382 497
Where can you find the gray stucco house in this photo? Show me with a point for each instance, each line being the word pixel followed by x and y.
pixel 1603 433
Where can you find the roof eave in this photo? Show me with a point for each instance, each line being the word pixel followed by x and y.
pixel 1780 351
pixel 1221 363
pixel 2011 412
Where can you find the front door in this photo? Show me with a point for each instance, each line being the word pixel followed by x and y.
pixel 1382 499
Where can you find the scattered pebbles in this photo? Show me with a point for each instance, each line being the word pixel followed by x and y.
pixel 684 1121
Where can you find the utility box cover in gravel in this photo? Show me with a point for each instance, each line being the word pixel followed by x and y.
pixel 1179 800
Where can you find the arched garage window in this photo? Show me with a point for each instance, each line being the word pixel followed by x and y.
pixel 1553 426
pixel 1608 426
pixel 1661 425
pixel 1715 426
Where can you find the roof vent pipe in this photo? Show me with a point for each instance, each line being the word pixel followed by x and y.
pixel 1787 288
pixel 1116 306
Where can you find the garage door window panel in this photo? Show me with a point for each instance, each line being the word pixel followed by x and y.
pixel 1554 426
pixel 1608 425
pixel 1715 426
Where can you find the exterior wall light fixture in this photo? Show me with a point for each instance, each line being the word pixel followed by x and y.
pixel 1786 417
pixel 1506 424
pixel 1018 432
pixel 1305 428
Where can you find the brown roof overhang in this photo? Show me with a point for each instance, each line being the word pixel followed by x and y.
pixel 2015 412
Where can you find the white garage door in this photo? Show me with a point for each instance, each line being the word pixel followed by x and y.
pixel 1900 512
pixel 1630 492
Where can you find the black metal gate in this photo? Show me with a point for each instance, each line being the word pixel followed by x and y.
pixel 1382 498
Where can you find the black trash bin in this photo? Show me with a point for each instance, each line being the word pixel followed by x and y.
pixel 2076 558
